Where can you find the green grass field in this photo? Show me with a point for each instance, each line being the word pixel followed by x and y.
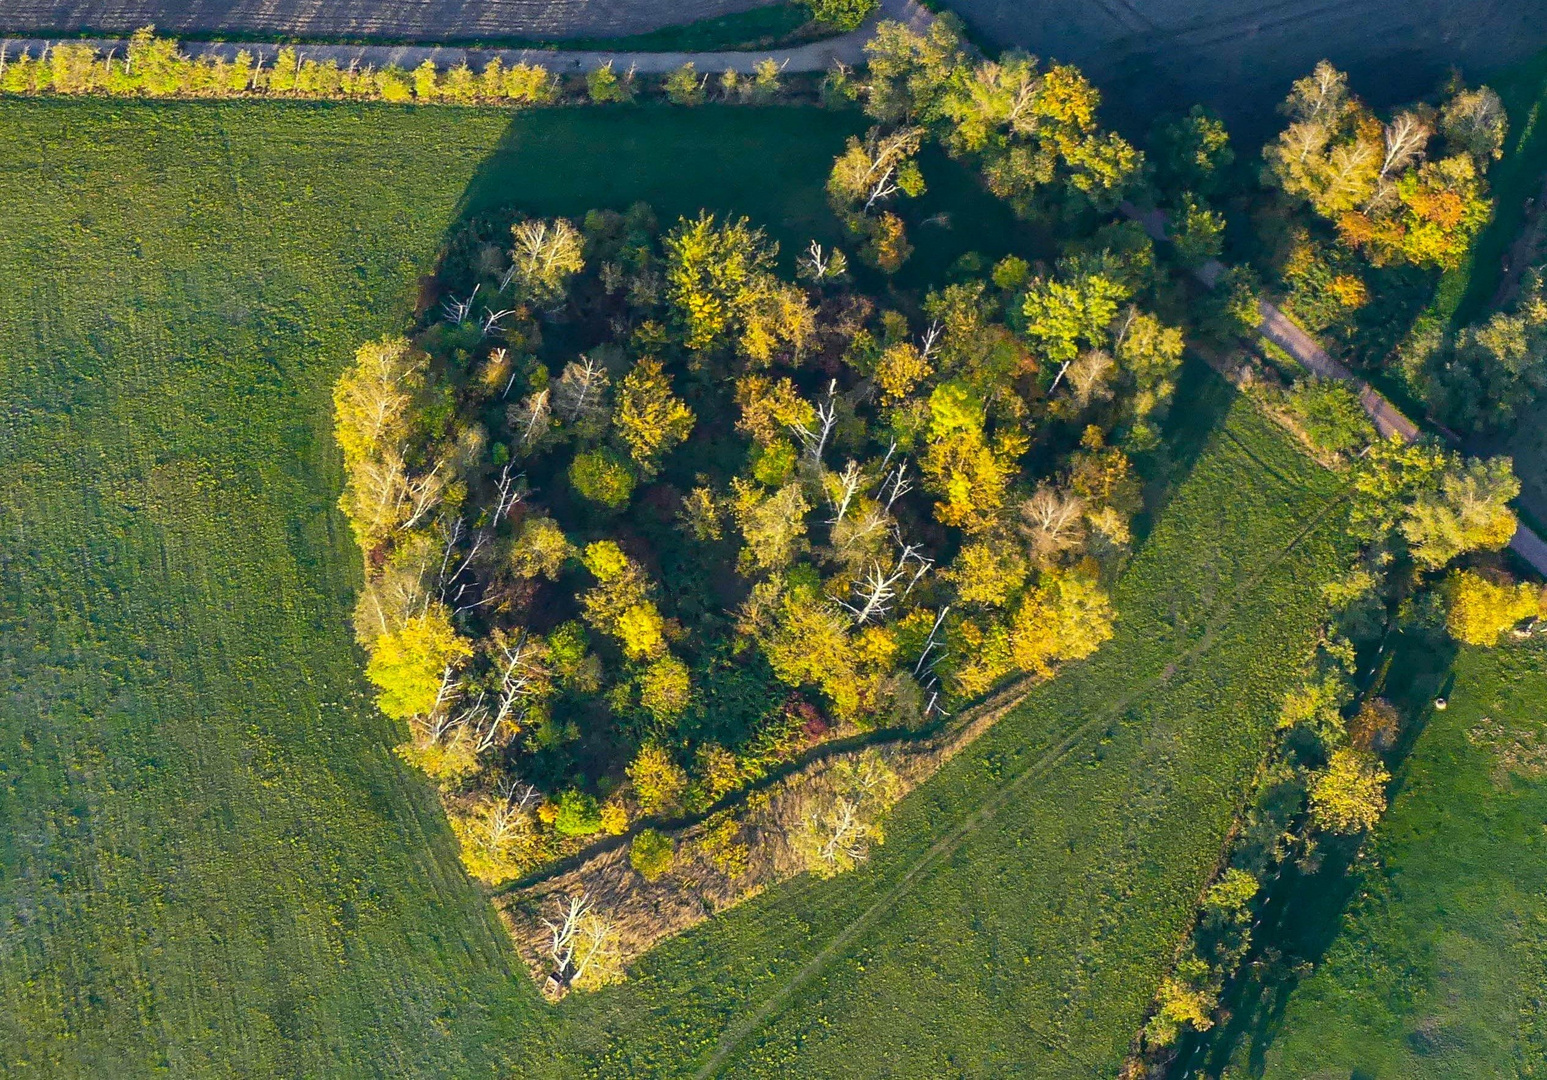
pixel 1435 961
pixel 212 863
pixel 1029 897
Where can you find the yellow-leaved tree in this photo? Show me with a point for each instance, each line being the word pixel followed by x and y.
pixel 411 666
pixel 650 419
pixel 1480 609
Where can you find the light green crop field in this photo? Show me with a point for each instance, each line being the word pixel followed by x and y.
pixel 1437 967
pixel 210 863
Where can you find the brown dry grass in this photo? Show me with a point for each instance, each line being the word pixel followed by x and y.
pixel 645 913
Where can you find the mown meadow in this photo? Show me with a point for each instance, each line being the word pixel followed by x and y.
pixel 212 863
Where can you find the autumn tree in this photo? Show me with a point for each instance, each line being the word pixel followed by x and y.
pixel 1441 505
pixel 373 404
pixel 1068 616
pixel 540 548
pixel 773 525
pixel 709 269
pixel 1192 153
pixel 1479 609
pixel 649 417
pixel 602 477
pixel 413 667
pixel 1474 121
pixel 1074 311
pixel 664 688
pixel 874 169
pixel 659 782
pixel 499 834
pixel 1149 358
pixel 1029 129
pixel 1491 371
pixel 1467 510
pixel 543 259
pixel 1349 795
pixel 620 603
pixel 840 818
pixel 1197 232
pixel 969 472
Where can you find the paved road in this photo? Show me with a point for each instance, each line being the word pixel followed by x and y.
pixel 1292 338
pixel 815 56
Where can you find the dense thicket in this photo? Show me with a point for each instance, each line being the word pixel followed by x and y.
pixel 643 517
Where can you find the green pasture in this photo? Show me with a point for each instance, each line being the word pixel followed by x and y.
pixel 1429 959
pixel 210 863
pixel 1029 898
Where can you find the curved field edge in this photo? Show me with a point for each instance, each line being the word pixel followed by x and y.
pixel 1030 896
pixel 213 866
pixel 212 863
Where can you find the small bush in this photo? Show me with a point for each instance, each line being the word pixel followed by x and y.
pixel 1329 414
pixel 652 854
pixel 842 15
pixel 577 814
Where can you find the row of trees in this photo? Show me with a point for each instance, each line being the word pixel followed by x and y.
pixel 1419 510
pixel 155 67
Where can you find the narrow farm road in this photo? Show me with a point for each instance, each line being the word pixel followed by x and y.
pixel 816 56
pixel 1288 335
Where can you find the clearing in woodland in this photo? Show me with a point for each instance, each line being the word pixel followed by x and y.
pixel 213 864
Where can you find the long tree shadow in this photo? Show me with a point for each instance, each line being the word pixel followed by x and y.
pixel 1304 910
pixel 769 164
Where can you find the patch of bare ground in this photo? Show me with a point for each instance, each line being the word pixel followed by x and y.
pixel 734 854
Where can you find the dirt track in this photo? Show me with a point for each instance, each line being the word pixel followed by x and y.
pixel 417 20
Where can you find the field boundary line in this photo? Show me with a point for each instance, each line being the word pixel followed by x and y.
pixel 731 1039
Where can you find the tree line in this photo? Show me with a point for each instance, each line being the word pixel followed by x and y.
pixel 151 66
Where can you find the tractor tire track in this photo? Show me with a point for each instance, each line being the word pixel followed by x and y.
pixel 732 1038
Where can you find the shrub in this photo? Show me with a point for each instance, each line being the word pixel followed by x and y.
pixel 602 477
pixel 652 854
pixel 659 782
pixel 842 15
pixel 1329 414
pixel 577 814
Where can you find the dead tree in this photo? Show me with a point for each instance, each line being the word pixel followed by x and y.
pixel 457 311
pixel 815 442
pixel 848 484
pixel 532 417
pixel 579 392
pixel 510 492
